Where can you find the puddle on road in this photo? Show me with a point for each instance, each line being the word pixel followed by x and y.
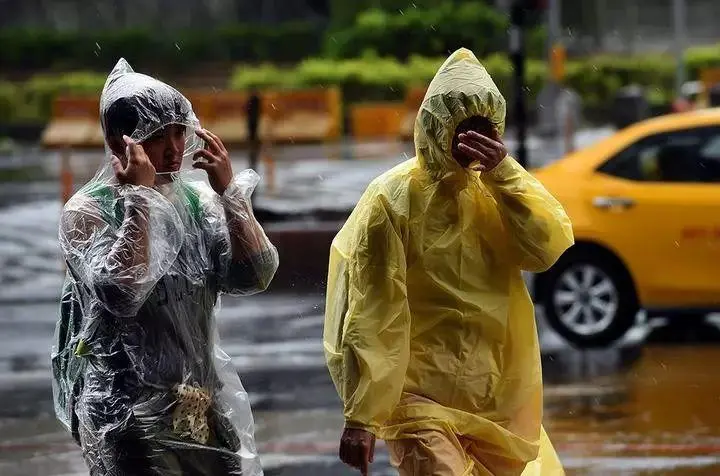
pixel 659 417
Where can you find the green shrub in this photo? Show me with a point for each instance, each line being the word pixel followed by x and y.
pixel 39 92
pixel 44 49
pixel 429 32
pixel 373 78
pixel 8 101
pixel 701 57
pixel 32 101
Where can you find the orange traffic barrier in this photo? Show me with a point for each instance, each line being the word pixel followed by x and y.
pixel 377 120
pixel 203 103
pixel 305 115
pixel 75 122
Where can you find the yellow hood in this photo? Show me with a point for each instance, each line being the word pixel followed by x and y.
pixel 461 88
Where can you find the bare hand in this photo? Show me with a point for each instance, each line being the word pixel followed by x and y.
pixel 217 161
pixel 357 449
pixel 487 151
pixel 139 170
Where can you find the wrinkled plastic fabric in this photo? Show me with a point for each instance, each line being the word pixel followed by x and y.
pixel 150 104
pixel 429 325
pixel 445 454
pixel 140 379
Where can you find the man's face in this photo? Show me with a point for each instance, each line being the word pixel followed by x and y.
pixel 166 148
pixel 478 124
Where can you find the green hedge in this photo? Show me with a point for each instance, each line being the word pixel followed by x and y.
pixel 428 32
pixel 597 79
pixel 372 77
pixel 423 30
pixel 39 49
pixel 32 101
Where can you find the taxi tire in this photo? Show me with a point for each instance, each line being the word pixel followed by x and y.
pixel 627 309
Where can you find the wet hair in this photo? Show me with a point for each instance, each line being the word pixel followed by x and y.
pixel 122 117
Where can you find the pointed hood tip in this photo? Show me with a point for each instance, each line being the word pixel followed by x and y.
pixel 122 66
pixel 461 88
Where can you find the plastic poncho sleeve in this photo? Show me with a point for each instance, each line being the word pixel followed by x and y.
pixel 540 230
pixel 245 259
pixel 121 262
pixel 376 343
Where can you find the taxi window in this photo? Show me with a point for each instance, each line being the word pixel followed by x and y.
pixel 691 155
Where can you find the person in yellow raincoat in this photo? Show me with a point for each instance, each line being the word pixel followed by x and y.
pixel 430 333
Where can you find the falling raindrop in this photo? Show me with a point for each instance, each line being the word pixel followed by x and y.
pixel 401 12
pixel 177 46
pixel 677 245
pixel 413 5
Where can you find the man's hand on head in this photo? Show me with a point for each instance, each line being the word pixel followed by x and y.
pixel 139 169
pixel 216 161
pixel 486 152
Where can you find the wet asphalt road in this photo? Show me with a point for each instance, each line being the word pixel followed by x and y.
pixel 637 410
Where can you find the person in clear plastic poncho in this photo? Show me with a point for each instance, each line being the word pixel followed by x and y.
pixel 139 378
pixel 430 335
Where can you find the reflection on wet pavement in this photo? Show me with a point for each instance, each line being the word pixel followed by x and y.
pixel 619 411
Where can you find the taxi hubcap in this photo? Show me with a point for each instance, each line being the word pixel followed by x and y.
pixel 585 299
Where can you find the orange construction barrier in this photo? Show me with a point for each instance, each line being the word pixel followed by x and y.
pixel 75 122
pixel 377 120
pixel 709 77
pixel 305 115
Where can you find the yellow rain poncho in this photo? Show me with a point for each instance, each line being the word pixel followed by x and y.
pixel 429 325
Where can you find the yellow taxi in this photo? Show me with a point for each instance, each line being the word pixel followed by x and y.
pixel 645 207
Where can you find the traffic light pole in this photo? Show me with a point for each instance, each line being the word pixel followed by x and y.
pixel 517 51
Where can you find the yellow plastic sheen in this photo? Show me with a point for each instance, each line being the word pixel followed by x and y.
pixel 429 325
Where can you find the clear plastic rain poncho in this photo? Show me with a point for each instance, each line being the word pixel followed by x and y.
pixel 139 377
pixel 430 332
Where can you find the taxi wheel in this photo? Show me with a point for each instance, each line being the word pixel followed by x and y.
pixel 589 298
